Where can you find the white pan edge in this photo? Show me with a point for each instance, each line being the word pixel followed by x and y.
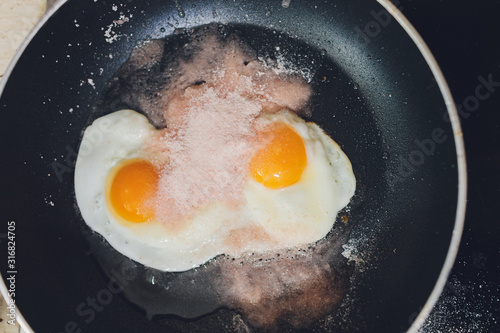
pixel 461 162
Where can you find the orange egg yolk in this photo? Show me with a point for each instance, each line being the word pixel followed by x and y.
pixel 281 160
pixel 133 184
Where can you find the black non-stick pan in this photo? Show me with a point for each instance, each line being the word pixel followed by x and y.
pixel 377 91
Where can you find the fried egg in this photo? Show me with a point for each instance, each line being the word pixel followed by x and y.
pixel 298 179
pixel 114 176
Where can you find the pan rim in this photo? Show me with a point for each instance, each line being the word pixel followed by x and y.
pixel 457 135
pixel 461 162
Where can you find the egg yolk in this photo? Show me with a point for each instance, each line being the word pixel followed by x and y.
pixel 282 159
pixel 132 185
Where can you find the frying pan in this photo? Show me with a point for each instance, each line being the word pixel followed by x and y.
pixel 378 92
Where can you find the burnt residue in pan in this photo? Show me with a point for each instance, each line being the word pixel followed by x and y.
pixel 285 290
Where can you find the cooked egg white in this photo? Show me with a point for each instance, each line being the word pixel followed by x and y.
pixel 153 244
pixel 304 211
pixel 297 182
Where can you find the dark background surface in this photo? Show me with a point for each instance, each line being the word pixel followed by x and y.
pixel 464 37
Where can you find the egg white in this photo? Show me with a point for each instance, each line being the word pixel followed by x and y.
pixel 304 212
pixel 295 215
pixel 123 135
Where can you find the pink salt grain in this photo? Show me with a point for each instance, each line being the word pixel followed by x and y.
pixel 209 138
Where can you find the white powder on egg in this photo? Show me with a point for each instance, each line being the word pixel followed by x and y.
pixel 209 137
